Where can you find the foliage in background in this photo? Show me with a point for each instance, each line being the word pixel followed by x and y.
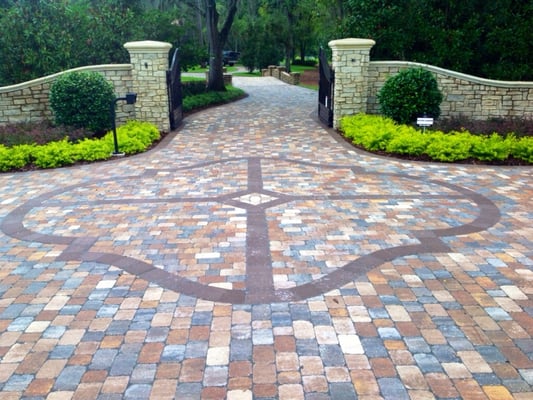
pixel 82 100
pixel 410 94
pixel 202 100
pixel 380 134
pixel 484 38
pixel 38 38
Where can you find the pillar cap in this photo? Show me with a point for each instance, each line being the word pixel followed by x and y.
pixel 352 43
pixel 147 45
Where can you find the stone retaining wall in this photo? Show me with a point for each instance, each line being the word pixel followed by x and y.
pixel 463 95
pixel 358 80
pixel 292 78
pixel 146 76
pixel 28 101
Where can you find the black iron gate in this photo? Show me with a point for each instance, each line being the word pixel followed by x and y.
pixel 325 90
pixel 175 98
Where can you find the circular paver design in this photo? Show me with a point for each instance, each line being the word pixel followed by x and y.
pixel 252 229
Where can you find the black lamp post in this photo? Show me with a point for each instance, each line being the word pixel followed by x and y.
pixel 130 98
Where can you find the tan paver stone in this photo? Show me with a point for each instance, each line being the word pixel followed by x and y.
pixel 412 377
pixel 239 395
pixel 164 389
pixel 291 392
pixel 60 395
pixel 365 382
pixel 303 330
pixel 474 362
pixel 337 374
pixel 315 383
pixel 325 334
pixel 456 370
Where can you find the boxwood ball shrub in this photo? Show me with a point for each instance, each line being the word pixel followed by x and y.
pixel 82 100
pixel 410 94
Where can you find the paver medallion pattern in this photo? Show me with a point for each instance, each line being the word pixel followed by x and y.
pixel 251 229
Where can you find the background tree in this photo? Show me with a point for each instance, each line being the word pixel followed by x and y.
pixel 490 39
pixel 217 37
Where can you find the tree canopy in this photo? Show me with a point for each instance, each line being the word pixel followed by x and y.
pixel 488 39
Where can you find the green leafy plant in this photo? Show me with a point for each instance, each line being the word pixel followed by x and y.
pixel 523 149
pixel 410 94
pixel 133 137
pixel 202 100
pixel 378 133
pixel 493 147
pixel 54 154
pixel 449 147
pixel 15 157
pixel 82 100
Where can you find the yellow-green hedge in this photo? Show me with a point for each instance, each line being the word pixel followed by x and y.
pixel 378 133
pixel 133 137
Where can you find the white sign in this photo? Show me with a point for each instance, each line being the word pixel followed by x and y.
pixel 424 121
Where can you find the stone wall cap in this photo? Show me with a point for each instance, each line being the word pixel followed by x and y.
pixel 454 74
pixel 351 43
pixel 50 78
pixel 147 45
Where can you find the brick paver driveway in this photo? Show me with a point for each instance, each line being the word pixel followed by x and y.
pixel 255 255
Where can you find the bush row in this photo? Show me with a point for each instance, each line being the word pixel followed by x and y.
pixel 133 137
pixel 378 133
pixel 201 100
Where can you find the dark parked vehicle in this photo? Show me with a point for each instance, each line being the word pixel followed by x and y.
pixel 230 57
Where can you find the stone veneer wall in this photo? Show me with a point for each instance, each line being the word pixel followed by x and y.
pixel 146 76
pixel 358 80
pixel 292 78
pixel 28 101
pixel 463 95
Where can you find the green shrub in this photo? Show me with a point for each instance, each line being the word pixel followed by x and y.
pixel 191 88
pixel 493 147
pixel 374 132
pixel 408 141
pixel 15 157
pixel 54 154
pixel 134 137
pixel 449 147
pixel 410 94
pixel 93 150
pixel 210 98
pixel 82 100
pixel 523 149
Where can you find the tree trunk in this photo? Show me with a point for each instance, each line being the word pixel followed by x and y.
pixel 217 40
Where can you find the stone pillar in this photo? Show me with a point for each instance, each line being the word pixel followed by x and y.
pixel 350 60
pixel 149 62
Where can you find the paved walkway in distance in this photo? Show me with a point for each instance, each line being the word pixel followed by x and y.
pixel 256 256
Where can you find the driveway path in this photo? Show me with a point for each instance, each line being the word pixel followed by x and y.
pixel 254 255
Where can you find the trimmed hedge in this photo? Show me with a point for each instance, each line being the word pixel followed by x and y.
pixel 411 93
pixel 378 133
pixel 133 137
pixel 82 100
pixel 206 99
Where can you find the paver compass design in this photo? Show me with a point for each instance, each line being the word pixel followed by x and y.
pixel 251 229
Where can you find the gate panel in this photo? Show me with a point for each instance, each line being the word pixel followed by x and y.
pixel 325 90
pixel 175 97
